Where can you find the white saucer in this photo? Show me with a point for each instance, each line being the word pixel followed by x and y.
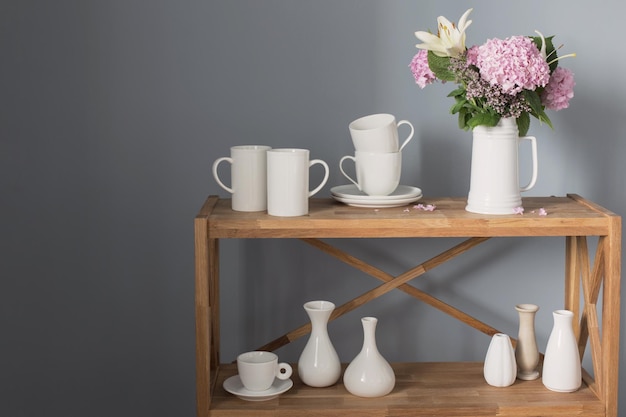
pixel 235 386
pixel 351 191
pixel 350 195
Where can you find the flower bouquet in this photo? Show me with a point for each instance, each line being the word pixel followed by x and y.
pixel 516 77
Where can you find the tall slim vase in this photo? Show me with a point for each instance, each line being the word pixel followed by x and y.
pixel 319 364
pixel 369 374
pixel 526 351
pixel 494 177
pixel 561 363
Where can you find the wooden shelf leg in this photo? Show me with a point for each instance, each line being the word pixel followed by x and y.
pixel 206 276
pixel 611 315
pixel 203 327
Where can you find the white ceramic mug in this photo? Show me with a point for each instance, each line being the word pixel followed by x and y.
pixel 248 177
pixel 377 174
pixel 288 181
pixel 378 133
pixel 258 369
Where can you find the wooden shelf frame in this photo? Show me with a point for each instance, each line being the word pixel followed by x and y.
pixel 571 217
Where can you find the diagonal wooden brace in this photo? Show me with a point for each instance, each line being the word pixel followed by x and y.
pixel 390 284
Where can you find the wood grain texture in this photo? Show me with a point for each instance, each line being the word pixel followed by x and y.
pixel 328 218
pixel 425 389
pixel 422 389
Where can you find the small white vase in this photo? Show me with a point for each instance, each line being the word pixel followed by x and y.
pixel 561 363
pixel 494 178
pixel 500 368
pixel 319 364
pixel 526 351
pixel 369 374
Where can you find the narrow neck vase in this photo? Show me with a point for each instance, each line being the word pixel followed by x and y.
pixel 369 374
pixel 319 364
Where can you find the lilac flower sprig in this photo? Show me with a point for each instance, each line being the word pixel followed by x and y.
pixel 515 77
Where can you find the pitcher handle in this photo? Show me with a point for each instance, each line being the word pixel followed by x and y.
pixel 533 145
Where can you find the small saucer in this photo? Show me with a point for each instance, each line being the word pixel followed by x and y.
pixel 235 386
pixel 350 195
pixel 351 191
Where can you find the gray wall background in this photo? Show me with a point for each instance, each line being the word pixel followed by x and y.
pixel 112 114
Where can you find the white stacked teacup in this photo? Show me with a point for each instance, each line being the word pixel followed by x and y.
pixel 377 153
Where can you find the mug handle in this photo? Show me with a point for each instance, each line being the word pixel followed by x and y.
pixel 283 371
pixel 533 179
pixel 344 172
pixel 406 122
pixel 326 172
pixel 217 178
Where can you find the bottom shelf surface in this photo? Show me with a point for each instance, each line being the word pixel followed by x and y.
pixel 455 389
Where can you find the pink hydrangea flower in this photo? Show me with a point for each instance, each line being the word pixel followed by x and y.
pixel 472 55
pixel 560 89
pixel 420 69
pixel 514 64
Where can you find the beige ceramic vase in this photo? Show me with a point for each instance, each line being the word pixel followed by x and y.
pixel 526 351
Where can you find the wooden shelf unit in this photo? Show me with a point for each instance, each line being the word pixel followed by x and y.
pixel 424 389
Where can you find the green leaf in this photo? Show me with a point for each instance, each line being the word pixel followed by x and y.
pixel 463 117
pixel 534 101
pixel 439 66
pixel 458 92
pixel 460 103
pixel 523 124
pixel 483 119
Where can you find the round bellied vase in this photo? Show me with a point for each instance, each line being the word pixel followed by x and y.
pixel 319 364
pixel 500 368
pixel 369 374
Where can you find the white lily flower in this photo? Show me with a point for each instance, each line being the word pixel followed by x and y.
pixel 543 50
pixel 450 39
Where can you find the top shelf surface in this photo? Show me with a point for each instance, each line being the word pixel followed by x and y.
pixel 566 216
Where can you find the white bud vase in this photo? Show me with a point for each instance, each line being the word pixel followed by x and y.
pixel 369 374
pixel 500 368
pixel 561 363
pixel 319 364
pixel 526 351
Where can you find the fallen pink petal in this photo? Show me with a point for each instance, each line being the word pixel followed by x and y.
pixel 428 207
pixel 543 212
pixel 518 210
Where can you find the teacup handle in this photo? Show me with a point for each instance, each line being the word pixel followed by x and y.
pixel 344 172
pixel 406 122
pixel 283 371
pixel 533 179
pixel 216 176
pixel 326 172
